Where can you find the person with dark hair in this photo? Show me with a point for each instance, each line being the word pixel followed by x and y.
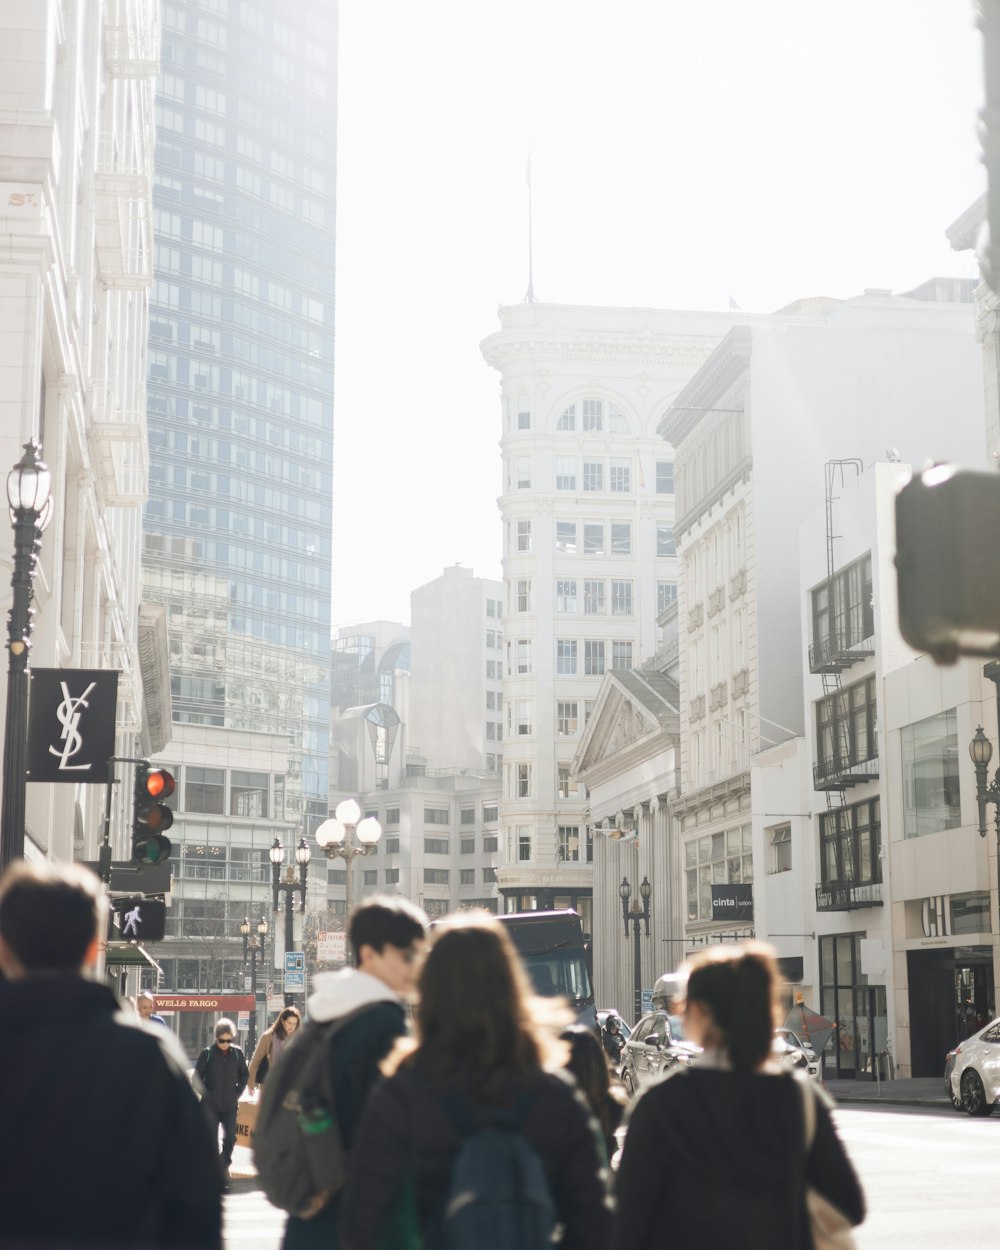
pixel 388 936
pixel 721 1145
pixel 270 1044
pixel 86 1087
pixel 481 1054
pixel 221 1076
pixel 588 1066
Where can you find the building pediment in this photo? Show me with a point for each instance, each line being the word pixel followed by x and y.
pixel 633 713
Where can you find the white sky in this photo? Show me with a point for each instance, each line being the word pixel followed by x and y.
pixel 682 151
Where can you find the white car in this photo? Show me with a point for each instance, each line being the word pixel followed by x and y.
pixel 796 1053
pixel 975 1076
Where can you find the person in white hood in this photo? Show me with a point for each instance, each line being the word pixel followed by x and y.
pixel 388 937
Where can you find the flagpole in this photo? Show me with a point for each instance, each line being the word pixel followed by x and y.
pixel 529 297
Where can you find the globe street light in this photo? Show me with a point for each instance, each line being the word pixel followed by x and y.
pixel 335 837
pixel 253 945
pixel 28 495
pixel 638 914
pixel 291 885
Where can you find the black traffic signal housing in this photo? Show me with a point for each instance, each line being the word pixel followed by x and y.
pixel 150 815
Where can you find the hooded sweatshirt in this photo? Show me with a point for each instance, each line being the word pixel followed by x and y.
pixel 716 1158
pixel 356 1050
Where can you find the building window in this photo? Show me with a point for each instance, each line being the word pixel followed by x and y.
pixel 490 812
pixel 370 877
pixel 593 415
pixel 467 846
pixel 666 593
pixel 524 535
pixel 846 724
pixel 391 846
pixel 522 654
pixel 522 781
pixel 248 793
pixel 567 718
pixel 930 775
pixel 566 537
pixel 436 876
pixel 621 655
pixel 664 477
pixel 593 658
pixel 466 876
pixel 392 876
pixel 205 790
pixel 522 716
pixel 621 598
pixel 467 816
pixel 593 598
pixel 436 846
pixel 621 538
pixel 523 414
pixel 490 845
pixel 568 843
pixel 523 464
pixel 566 788
pixel 715 858
pixel 436 816
pixel 392 815
pixel 567 419
pixel 781 849
pixel 843 613
pixel 489 876
pixel 523 835
pixel 524 594
pixel 491 670
pixel 850 844
pixel 620 476
pixel 491 762
pixel 593 475
pixel 565 473
pixel 491 731
pixel 566 596
pixel 566 656
pixel 665 545
pixel 593 538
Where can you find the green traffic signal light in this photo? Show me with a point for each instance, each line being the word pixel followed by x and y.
pixel 150 816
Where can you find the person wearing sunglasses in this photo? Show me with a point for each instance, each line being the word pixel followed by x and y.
pixel 221 1076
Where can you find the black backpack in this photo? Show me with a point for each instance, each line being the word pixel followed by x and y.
pixel 498 1195
pixel 298 1151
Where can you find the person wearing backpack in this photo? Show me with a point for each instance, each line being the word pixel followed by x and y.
pixel 477 1141
pixel 359 1014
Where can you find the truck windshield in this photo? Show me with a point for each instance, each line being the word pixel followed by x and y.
pixel 562 972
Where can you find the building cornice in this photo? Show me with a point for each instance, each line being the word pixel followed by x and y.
pixel 732 787
pixel 649 351
pixel 721 371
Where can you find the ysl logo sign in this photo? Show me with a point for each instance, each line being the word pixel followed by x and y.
pixel 69 713
pixel 71 724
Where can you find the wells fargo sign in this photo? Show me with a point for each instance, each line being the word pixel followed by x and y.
pixel 204 1002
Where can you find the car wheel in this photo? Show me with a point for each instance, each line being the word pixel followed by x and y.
pixel 973 1095
pixel 628 1082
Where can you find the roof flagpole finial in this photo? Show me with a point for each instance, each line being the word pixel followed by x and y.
pixel 529 297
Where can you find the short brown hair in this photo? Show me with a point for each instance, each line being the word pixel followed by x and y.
pixel 49 914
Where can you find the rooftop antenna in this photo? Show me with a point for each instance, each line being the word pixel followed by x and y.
pixel 529 297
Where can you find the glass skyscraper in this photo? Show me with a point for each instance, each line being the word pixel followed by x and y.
pixel 237 530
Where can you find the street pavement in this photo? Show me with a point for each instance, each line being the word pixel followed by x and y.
pixel 249 1220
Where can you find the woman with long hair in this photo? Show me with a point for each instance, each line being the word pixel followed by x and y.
pixel 588 1066
pixel 270 1044
pixel 481 1053
pixel 717 1153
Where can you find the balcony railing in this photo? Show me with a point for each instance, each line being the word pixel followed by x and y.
pixel 848 895
pixel 838 651
pixel 841 772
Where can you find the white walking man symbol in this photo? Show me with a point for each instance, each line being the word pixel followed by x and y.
pixel 132 921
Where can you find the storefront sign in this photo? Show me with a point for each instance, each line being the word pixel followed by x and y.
pixel 935 916
pixel 732 902
pixel 227 1003
pixel 71 721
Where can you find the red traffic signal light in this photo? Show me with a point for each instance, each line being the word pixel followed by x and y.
pixel 150 816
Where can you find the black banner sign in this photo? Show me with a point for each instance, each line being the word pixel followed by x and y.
pixel 71 724
pixel 732 902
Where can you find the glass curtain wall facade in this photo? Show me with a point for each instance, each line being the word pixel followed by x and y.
pixel 237 531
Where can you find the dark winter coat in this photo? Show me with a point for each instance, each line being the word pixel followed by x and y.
pixel 406 1130
pixel 102 1140
pixel 222 1076
pixel 356 1051
pixel 715 1159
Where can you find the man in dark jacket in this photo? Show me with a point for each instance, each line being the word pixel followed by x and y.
pixel 101 1137
pixel 387 935
pixel 222 1075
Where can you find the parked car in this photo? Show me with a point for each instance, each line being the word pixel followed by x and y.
pixel 655 1045
pixel 975 1073
pixel 796 1053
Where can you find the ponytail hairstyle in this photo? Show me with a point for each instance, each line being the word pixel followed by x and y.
pixel 738 987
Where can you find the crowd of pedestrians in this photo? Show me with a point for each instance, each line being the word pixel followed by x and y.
pixel 468 1112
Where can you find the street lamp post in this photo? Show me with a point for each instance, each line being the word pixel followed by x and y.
pixel 335 837
pixel 253 945
pixel 28 495
pixel 290 885
pixel 638 914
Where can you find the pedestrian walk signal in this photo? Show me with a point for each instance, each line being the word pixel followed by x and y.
pixel 141 919
pixel 150 815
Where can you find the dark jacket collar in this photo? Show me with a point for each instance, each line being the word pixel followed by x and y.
pixel 55 996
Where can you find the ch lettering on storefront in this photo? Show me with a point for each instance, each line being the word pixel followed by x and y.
pixel 935 916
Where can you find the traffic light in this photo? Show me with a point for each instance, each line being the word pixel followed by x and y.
pixel 140 919
pixel 150 815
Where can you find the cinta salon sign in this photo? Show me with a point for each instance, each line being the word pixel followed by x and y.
pixel 229 1003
